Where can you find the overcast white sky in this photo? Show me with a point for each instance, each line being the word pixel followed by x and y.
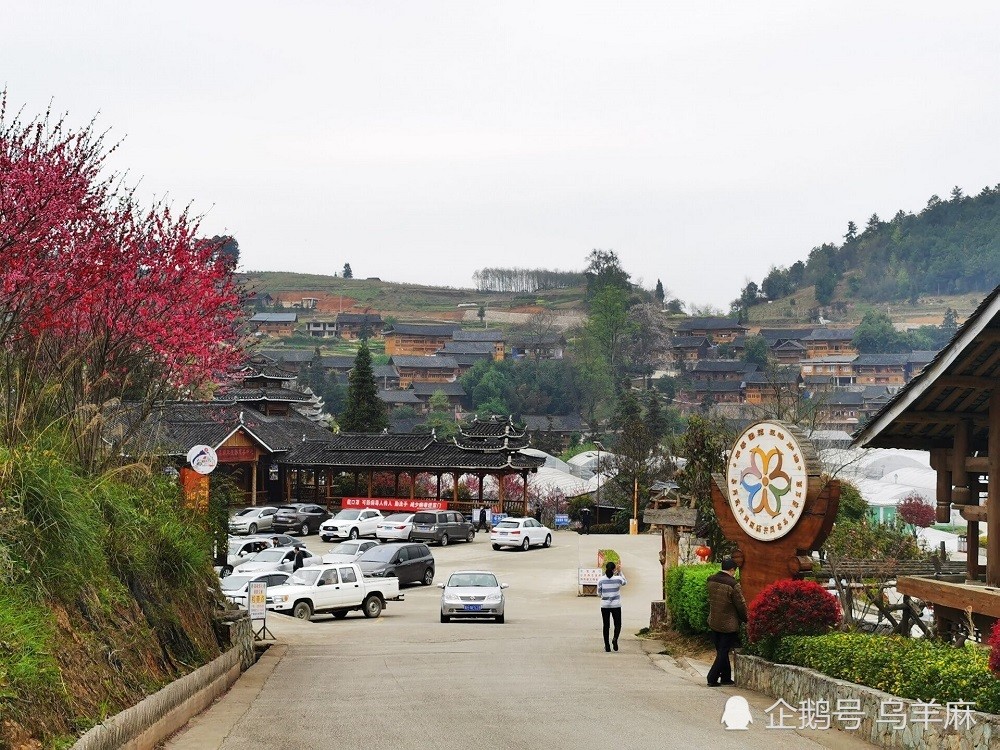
pixel 419 141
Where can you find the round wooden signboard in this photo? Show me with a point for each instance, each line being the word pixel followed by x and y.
pixel 773 503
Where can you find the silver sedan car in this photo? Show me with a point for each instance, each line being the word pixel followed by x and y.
pixel 472 593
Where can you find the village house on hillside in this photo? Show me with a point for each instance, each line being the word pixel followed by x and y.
pixel 720 330
pixel 354 326
pixel 424 369
pixel 274 323
pixel 417 339
pixel 826 342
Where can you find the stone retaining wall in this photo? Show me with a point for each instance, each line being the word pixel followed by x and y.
pixel 795 684
pixel 155 718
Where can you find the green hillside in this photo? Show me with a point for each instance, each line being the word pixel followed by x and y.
pixel 949 251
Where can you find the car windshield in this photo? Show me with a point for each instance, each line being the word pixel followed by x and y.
pixel 509 525
pixel 473 580
pixel 270 555
pixel 304 577
pixel 345 548
pixel 378 554
pixel 424 518
pixel 235 583
pixel 399 517
pixel 348 515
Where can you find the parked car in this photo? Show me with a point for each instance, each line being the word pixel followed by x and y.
pixel 252 520
pixel 348 551
pixel 241 550
pixel 520 532
pixel 304 518
pixel 396 526
pixel 336 589
pixel 472 593
pixel 236 587
pixel 283 540
pixel 350 523
pixel 407 562
pixel 275 558
pixel 441 526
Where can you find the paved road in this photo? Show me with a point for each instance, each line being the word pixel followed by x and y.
pixel 542 679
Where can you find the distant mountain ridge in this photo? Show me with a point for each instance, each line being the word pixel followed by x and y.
pixel 951 247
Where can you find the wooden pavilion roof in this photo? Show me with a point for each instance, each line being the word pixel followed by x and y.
pixel 953 388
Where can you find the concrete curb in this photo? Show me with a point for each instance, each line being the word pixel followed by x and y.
pixel 157 716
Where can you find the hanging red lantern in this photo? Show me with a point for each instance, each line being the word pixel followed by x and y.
pixel 703 552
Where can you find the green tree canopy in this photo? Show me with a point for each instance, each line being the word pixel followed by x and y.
pixel 876 334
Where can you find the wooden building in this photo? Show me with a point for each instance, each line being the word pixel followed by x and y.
pixel 826 342
pixel 952 409
pixel 839 369
pixel 880 369
pixel 353 326
pixel 424 369
pixel 713 370
pixel 274 324
pixel 719 330
pixel 417 339
pixel 687 349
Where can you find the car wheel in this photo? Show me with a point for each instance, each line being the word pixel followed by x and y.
pixel 525 544
pixel 471 536
pixel 354 533
pixel 409 535
pixel 227 570
pixel 445 618
pixel 548 540
pixel 340 614
pixel 252 529
pixel 428 576
pixel 304 529
pixel 372 606
pixel 302 611
pixel 444 539
pixel 499 619
pixel 496 547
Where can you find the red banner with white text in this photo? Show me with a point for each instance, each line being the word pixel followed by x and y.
pixel 398 504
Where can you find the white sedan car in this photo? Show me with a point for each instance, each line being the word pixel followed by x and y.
pixel 472 593
pixel 350 523
pixel 235 587
pixel 275 558
pixel 252 520
pixel 346 552
pixel 396 526
pixel 520 532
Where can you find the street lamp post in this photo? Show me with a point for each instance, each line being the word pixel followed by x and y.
pixel 597 502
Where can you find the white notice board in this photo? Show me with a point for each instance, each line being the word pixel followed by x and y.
pixel 257 600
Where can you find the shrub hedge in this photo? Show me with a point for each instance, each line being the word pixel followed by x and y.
pixel 790 607
pixel 905 667
pixel 687 596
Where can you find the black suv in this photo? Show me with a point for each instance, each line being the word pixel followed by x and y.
pixel 405 561
pixel 442 526
pixel 302 517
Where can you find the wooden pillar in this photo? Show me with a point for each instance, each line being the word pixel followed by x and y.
pixel 413 484
pixel 500 493
pixel 943 494
pixel 439 486
pixel 395 484
pixel 524 491
pixel 253 483
pixel 993 494
pixel 315 472
pixel 480 476
pixel 454 488
pixel 355 483
pixel 964 487
pixel 298 483
pixel 370 473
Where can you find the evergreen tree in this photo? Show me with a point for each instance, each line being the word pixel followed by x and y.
pixel 656 421
pixel 756 351
pixel 348 273
pixel 949 325
pixel 659 293
pixel 852 232
pixel 365 411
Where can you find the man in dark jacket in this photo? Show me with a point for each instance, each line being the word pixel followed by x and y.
pixel 726 610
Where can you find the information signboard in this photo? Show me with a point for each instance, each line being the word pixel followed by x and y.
pixel 257 600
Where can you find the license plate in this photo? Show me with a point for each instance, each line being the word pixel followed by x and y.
pixel 423 528
pixel 502 533
pixel 473 607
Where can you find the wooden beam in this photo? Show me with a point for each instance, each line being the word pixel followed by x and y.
pixel 960 492
pixel 967 381
pixel 977 464
pixel 993 495
pixel 942 417
pixel 943 495
pixel 984 600
pixel 975 513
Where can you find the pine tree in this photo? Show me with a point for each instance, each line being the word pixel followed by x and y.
pixel 365 411
pixel 659 293
pixel 348 273
pixel 656 423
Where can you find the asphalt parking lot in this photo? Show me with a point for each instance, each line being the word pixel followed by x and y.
pixel 542 679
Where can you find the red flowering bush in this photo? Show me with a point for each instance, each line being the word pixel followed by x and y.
pixel 791 607
pixel 916 512
pixel 994 644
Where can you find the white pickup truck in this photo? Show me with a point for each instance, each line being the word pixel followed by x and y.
pixel 335 589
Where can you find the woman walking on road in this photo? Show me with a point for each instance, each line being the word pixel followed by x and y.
pixel 609 589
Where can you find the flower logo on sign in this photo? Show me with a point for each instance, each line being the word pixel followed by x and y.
pixel 765 481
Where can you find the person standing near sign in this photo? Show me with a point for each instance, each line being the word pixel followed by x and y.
pixel 585 519
pixel 482 519
pixel 609 588
pixel 726 610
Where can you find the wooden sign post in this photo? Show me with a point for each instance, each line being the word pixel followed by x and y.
pixel 773 504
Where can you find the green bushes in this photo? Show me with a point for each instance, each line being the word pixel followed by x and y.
pixel 687 596
pixel 909 668
pixel 790 607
